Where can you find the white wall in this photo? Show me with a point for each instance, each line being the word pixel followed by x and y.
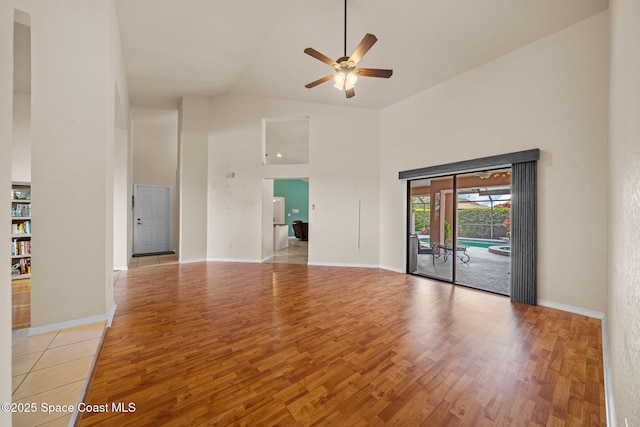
pixel 552 95
pixel 121 201
pixel 6 108
pixel 267 219
pixel 21 154
pixel 193 131
pixel 117 195
pixel 21 164
pixel 155 154
pixel 623 317
pixel 343 168
pixel 73 117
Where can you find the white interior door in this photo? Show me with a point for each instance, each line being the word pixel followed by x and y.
pixel 152 219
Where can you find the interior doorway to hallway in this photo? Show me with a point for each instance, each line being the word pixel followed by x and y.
pixel 285 148
pixel 291 229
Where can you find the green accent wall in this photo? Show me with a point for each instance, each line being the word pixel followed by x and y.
pixel 296 196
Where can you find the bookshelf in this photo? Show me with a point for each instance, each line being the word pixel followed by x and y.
pixel 20 231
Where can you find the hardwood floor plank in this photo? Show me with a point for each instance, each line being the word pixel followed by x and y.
pixel 276 344
pixel 20 304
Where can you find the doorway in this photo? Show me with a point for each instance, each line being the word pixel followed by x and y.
pixel 459 229
pixel 289 242
pixel 285 148
pixel 152 219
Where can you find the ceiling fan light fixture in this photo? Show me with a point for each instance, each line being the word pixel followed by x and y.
pixel 346 71
pixel 351 80
pixel 339 80
pixel 345 79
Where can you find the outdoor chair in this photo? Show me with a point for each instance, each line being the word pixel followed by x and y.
pixel 426 250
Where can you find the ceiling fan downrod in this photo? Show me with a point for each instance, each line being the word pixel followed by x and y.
pixel 345 28
pixel 345 72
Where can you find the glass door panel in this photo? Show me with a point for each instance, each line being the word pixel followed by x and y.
pixel 431 208
pixel 483 225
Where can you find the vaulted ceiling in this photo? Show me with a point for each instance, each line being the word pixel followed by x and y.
pixel 255 47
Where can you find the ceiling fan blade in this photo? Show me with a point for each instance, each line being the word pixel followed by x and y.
pixel 312 52
pixel 364 46
pixel 374 72
pixel 319 81
pixel 350 93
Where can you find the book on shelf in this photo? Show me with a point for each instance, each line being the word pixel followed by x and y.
pixel 21 227
pixel 20 247
pixel 25 266
pixel 21 210
pixel 20 230
pixel 21 268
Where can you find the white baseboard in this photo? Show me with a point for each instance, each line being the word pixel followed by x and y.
pixel 609 405
pixel 571 309
pixel 320 264
pixel 44 329
pixel 395 270
pixel 342 264
pixel 110 313
pixel 120 268
pixel 253 261
pixel 192 260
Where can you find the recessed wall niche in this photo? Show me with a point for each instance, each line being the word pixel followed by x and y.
pixel 286 141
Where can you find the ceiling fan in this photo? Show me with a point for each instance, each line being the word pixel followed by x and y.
pixel 346 73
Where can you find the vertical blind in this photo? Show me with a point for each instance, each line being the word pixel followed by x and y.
pixel 524 232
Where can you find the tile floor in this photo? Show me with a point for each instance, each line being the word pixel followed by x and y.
pixel 52 369
pixel 296 253
pixel 149 260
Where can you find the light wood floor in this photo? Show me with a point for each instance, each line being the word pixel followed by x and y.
pixel 20 304
pixel 21 290
pixel 273 344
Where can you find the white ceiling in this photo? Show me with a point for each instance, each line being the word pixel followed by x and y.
pixel 255 47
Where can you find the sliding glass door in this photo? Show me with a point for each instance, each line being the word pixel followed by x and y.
pixel 459 229
pixel 520 240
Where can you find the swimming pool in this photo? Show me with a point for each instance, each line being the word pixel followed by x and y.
pixel 478 243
